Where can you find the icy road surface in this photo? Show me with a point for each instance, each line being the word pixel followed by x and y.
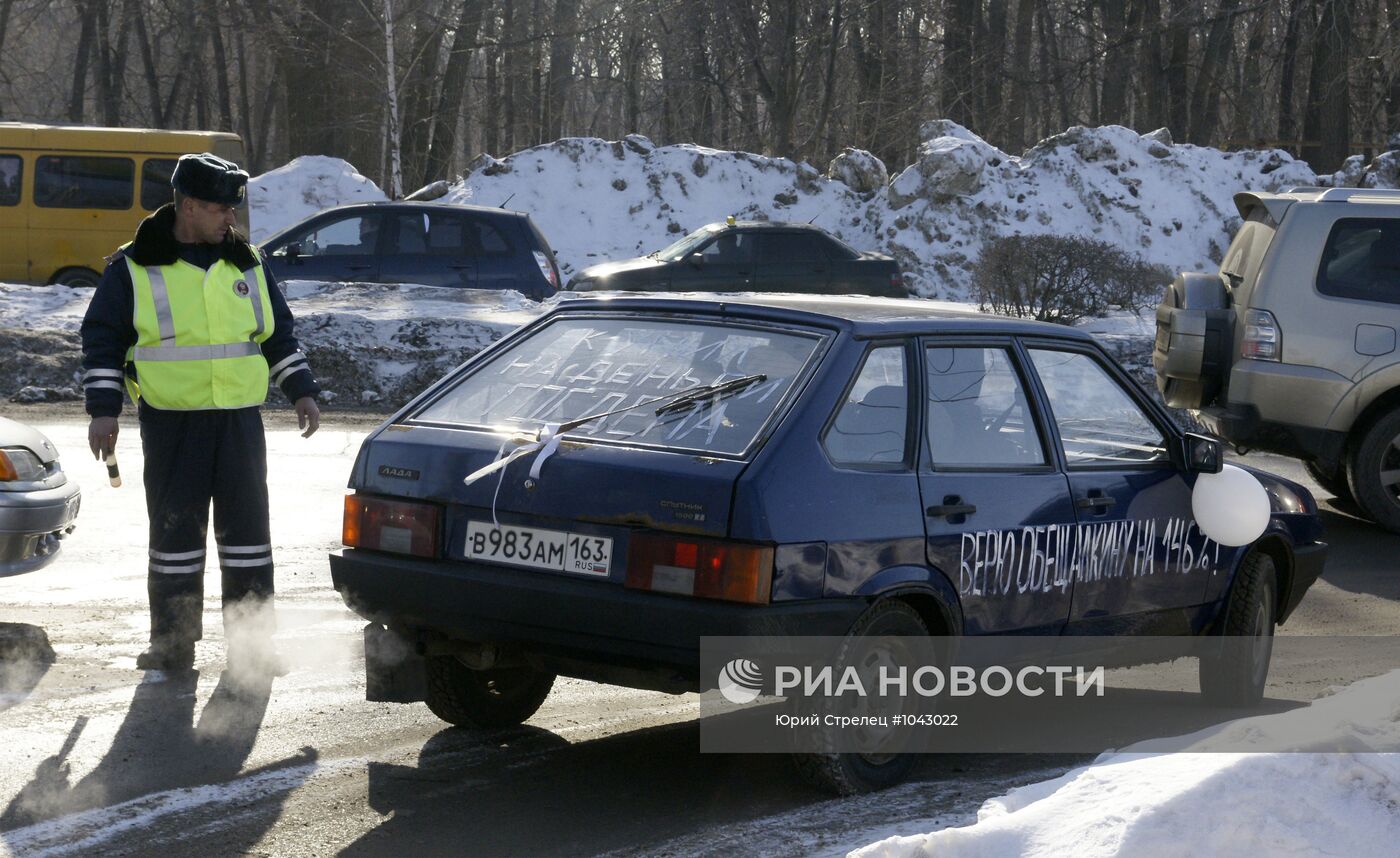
pixel 98 758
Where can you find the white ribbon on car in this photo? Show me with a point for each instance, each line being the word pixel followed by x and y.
pixel 546 441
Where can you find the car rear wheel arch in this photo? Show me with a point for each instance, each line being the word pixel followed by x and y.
pixel 938 617
pixel 928 591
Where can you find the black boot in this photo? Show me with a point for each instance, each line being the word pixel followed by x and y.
pixel 167 655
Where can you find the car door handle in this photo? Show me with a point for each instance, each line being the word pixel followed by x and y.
pixel 1095 502
pixel 462 266
pixel 358 267
pixel 951 506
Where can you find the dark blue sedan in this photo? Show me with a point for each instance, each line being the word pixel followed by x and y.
pixel 418 243
pixel 597 491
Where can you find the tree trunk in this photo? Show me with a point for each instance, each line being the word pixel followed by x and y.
pixel 832 47
pixel 1153 68
pixel 492 137
pixel 1117 72
pixel 1391 71
pixel 418 92
pixel 1287 111
pixel 1247 123
pixel 454 85
pixel 632 78
pixel 1205 98
pixel 148 64
pixel 77 95
pixel 1327 119
pixel 993 69
pixel 958 36
pixel 391 91
pixel 1020 76
pixel 221 65
pixel 1178 56
pixel 1052 71
pixel 561 70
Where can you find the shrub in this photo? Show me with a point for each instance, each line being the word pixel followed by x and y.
pixel 1063 279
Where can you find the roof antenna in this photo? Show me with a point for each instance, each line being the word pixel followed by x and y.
pixel 506 200
pixel 814 218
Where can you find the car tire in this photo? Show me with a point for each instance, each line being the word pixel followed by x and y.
pixel 499 697
pixel 1334 482
pixel 1376 455
pixel 850 773
pixel 1235 676
pixel 77 278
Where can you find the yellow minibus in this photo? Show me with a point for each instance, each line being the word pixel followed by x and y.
pixel 70 195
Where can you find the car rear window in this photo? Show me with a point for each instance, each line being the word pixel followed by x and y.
pixel 575 367
pixel 1362 260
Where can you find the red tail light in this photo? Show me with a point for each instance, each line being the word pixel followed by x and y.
pixel 402 527
pixel 707 568
pixel 547 269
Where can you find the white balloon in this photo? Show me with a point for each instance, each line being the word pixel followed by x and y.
pixel 1230 507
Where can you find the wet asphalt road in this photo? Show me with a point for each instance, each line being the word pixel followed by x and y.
pixel 94 759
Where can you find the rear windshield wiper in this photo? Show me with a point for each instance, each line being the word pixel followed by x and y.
pixel 724 388
pixel 674 401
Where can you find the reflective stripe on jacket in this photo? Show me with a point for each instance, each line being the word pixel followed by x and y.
pixel 198 335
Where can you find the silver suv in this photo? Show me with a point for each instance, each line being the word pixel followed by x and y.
pixel 1291 346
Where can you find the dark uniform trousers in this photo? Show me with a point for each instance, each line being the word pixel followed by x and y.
pixel 193 457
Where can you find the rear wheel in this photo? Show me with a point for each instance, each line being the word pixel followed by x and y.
pixel 1235 676
pixel 1374 472
pixel 499 697
pixel 851 773
pixel 77 278
pixel 1333 481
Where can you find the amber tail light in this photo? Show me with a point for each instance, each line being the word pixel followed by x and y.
pixel 402 527
pixel 707 568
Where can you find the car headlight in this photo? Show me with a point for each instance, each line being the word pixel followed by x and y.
pixel 1284 499
pixel 18 465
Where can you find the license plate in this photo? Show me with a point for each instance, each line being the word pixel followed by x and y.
pixel 537 548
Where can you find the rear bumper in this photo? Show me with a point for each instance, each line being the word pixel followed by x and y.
pixel 1282 408
pixel 1243 426
pixel 32 524
pixel 571 619
pixel 1308 561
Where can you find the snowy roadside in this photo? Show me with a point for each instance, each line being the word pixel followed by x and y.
pixel 372 345
pixel 1339 795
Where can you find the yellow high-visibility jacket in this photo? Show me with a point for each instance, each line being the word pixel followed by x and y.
pixel 199 335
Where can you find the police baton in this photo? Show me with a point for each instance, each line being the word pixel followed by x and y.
pixel 113 473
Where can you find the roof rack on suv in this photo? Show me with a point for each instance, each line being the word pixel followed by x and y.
pixel 1344 195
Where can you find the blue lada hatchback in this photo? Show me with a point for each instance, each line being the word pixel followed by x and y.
pixel 600 489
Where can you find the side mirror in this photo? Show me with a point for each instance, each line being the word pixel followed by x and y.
pixel 1204 454
pixel 696 259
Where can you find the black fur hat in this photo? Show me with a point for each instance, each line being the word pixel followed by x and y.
pixel 210 178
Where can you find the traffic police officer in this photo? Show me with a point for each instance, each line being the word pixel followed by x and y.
pixel 190 321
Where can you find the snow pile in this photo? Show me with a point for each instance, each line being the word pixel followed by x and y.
pixel 301 188
pixel 1382 172
pixel 597 200
pixel 369 344
pixel 1169 203
pixel 1138 802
